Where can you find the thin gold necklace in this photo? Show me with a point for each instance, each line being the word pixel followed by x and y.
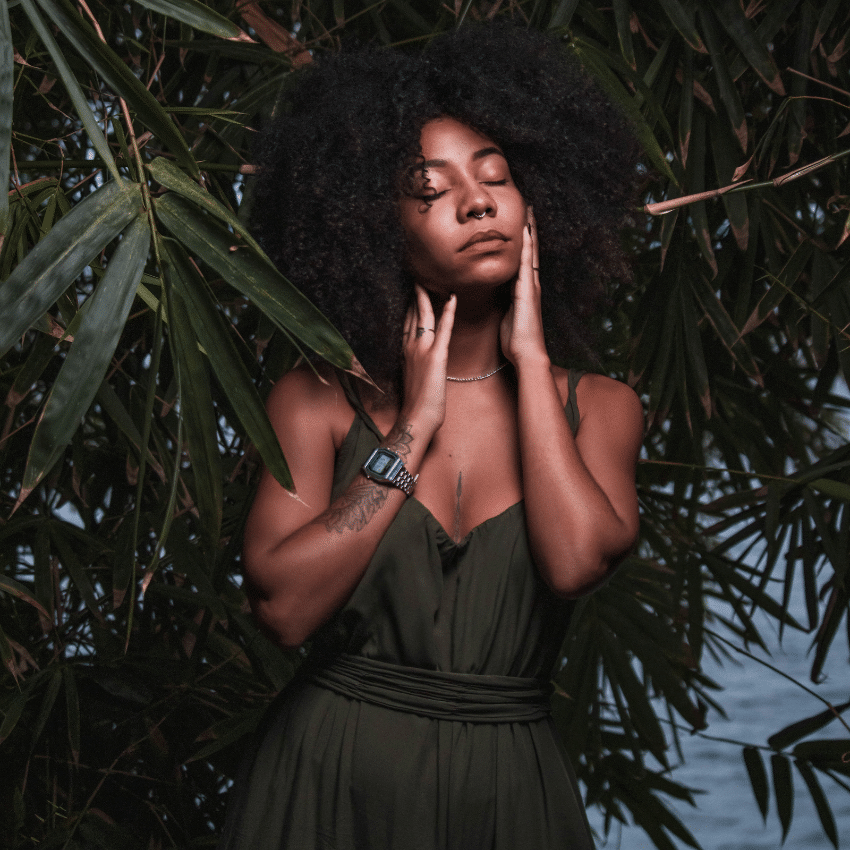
pixel 477 377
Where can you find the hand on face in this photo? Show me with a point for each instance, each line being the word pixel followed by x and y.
pixel 521 331
pixel 426 353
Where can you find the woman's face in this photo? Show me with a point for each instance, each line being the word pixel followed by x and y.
pixel 469 233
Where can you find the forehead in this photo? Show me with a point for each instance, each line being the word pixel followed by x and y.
pixel 446 141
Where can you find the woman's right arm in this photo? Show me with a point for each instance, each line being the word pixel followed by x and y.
pixel 304 556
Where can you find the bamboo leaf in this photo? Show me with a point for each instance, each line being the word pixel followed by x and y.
pixel 801 728
pixel 780 286
pixel 7 74
pixel 655 665
pixel 693 349
pixel 836 611
pixel 167 174
pixel 822 806
pixel 47 702
pixel 13 713
pixel 830 487
pixel 728 91
pixel 783 790
pixel 696 608
pixel 724 154
pixel 81 105
pixel 595 64
pixel 72 705
pixel 725 327
pixel 752 591
pixel 226 732
pixel 622 16
pixel 641 713
pixel 686 105
pixel 88 359
pixel 285 305
pixel 194 14
pixel 735 22
pixel 19 591
pixel 228 367
pixel 828 10
pixel 196 407
pixel 77 572
pixel 562 14
pixel 758 779
pixel 119 78
pixel 828 753
pixel 683 22
pixel 52 265
pixel 115 410
pixel 6 654
pixel 648 810
pixel 696 180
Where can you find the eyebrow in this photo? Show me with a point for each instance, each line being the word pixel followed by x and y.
pixel 480 154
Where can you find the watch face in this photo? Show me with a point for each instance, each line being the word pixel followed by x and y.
pixel 382 464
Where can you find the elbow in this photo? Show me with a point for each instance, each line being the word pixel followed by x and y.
pixel 578 579
pixel 279 623
pixel 573 574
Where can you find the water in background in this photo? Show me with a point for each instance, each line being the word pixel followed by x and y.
pixel 758 703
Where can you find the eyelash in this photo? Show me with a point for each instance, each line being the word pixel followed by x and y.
pixel 436 195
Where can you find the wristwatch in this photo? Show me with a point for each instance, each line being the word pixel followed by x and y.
pixel 386 467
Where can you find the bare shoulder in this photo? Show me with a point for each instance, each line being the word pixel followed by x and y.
pixel 603 400
pixel 310 399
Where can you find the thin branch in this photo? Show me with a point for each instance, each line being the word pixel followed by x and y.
pixel 663 207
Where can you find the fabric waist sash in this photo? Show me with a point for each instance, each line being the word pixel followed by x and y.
pixel 431 693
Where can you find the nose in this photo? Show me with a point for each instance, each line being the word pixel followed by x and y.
pixel 476 202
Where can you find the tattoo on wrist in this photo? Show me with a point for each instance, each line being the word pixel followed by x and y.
pixel 353 510
pixel 400 439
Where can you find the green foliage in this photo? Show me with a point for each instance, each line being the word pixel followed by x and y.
pixel 142 326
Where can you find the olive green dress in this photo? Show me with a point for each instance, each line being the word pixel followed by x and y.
pixel 420 720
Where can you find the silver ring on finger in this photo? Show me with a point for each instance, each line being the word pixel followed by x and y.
pixel 421 331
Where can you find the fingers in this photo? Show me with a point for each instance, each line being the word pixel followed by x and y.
pixel 409 323
pixel 532 232
pixel 526 260
pixel 447 320
pixel 420 321
pixel 424 310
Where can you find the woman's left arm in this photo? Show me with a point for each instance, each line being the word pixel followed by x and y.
pixel 580 498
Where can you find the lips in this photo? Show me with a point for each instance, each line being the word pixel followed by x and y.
pixel 485 236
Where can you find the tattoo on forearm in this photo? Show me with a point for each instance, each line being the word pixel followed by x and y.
pixel 400 439
pixel 353 510
pixel 457 508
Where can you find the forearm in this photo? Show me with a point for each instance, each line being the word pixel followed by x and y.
pixel 575 532
pixel 302 579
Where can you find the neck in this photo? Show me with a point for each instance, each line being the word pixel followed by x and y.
pixel 475 348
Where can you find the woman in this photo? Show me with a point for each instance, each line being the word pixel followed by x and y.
pixel 444 521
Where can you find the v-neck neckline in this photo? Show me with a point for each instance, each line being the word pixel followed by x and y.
pixel 468 536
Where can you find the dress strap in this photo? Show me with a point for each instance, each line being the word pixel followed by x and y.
pixel 432 693
pixel 573 415
pixel 349 387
